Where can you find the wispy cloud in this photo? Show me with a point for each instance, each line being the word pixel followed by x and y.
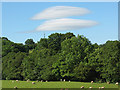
pixel 65 24
pixel 60 12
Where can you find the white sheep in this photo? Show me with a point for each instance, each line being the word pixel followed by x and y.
pixel 33 82
pixel 46 81
pixel 64 80
pixel 91 82
pixel 69 80
pixel 116 83
pixel 17 80
pixel 28 80
pixel 15 87
pixel 37 81
pixel 102 87
pixel 41 80
pixel 82 87
pixel 90 87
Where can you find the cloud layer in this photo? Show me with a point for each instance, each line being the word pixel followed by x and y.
pixel 65 24
pixel 60 12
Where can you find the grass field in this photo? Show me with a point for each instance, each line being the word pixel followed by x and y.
pixel 25 84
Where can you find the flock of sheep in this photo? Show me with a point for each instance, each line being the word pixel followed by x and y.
pixel 64 81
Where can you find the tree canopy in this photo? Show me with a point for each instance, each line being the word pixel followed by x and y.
pixel 59 56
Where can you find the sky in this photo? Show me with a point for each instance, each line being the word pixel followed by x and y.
pixel 98 21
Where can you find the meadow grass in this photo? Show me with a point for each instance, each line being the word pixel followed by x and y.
pixel 53 84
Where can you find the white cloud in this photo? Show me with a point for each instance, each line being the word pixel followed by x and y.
pixel 65 24
pixel 60 12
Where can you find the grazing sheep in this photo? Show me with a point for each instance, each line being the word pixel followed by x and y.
pixel 46 81
pixel 28 80
pixel 90 87
pixel 116 83
pixel 82 87
pixel 69 80
pixel 37 81
pixel 102 87
pixel 64 80
pixel 41 80
pixel 91 82
pixel 108 82
pixel 33 82
pixel 16 80
pixel 15 87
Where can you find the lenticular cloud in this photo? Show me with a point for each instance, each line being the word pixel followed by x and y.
pixel 60 12
pixel 65 24
pixel 56 19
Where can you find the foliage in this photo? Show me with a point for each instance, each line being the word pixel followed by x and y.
pixel 61 56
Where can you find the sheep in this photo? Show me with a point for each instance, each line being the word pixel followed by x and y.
pixel 46 81
pixel 82 87
pixel 64 80
pixel 116 83
pixel 102 87
pixel 17 80
pixel 33 82
pixel 69 80
pixel 41 80
pixel 37 81
pixel 90 87
pixel 91 82
pixel 15 87
pixel 28 80
pixel 108 82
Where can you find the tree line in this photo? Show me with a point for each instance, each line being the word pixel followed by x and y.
pixel 61 56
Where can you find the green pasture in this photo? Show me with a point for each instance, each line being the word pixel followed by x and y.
pixel 53 84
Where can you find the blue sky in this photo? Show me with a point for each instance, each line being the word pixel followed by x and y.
pixel 16 18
